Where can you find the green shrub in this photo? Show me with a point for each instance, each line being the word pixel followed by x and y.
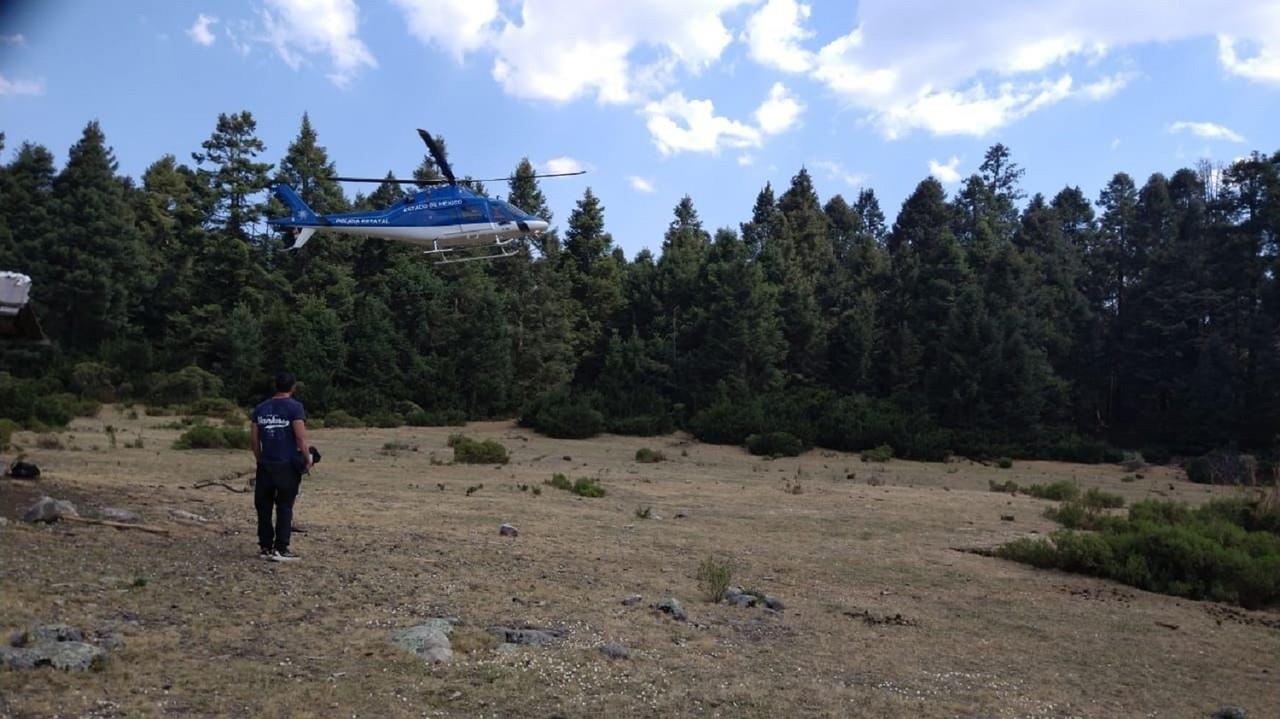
pixel 857 422
pixel 50 441
pixel 7 428
pixel 1133 461
pixel 1005 462
pixel 775 444
pixel 215 407
pixel 338 419
pixel 1157 454
pixel 585 487
pixel 714 576
pixel 883 453
pixel 384 418
pixel 559 481
pixel 185 386
pixel 1061 491
pixel 1098 499
pixel 1076 514
pixel 926 445
pixel 1075 448
pixel 1216 552
pixel 94 380
pixel 644 512
pixel 1008 486
pixel 1198 471
pixel 563 414
pixel 729 420
pixel 203 436
pixel 649 456
pixel 645 425
pixel 470 451
pixel 436 418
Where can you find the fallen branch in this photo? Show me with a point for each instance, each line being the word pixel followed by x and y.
pixel 211 482
pixel 117 525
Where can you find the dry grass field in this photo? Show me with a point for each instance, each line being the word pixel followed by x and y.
pixel 884 617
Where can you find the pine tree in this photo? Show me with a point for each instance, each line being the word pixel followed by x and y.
pixel 234 176
pixel 97 261
pixel 594 277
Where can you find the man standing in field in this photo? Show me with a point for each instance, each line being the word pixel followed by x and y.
pixel 278 437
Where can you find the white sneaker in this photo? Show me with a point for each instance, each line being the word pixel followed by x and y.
pixel 285 556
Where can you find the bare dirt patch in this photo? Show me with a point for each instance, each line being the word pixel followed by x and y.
pixel 882 617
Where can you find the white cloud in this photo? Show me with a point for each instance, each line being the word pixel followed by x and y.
pixel 19 39
pixel 560 165
pixel 20 87
pixel 836 171
pixel 458 26
pixel 1115 142
pixel 746 160
pixel 948 69
pixel 298 28
pixel 779 112
pixel 1207 130
pixel 639 184
pixel 681 125
pixel 774 35
pixel 199 31
pixel 947 174
pixel 1263 66
pixel 561 50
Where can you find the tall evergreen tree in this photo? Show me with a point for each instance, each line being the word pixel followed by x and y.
pixel 234 176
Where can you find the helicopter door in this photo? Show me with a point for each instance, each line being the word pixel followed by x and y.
pixel 473 219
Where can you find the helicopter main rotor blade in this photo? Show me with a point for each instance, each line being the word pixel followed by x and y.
pixel 437 154
pixel 396 181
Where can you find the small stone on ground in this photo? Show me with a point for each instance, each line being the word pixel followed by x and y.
pixel 614 650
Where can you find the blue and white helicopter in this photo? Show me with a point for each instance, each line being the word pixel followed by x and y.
pixel 445 219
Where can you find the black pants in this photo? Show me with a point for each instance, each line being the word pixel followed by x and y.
pixel 276 486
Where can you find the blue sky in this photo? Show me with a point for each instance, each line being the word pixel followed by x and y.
pixel 661 98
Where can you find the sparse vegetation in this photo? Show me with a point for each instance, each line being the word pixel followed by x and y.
pixel 1060 491
pixel 338 419
pixel 50 441
pixel 1004 462
pixel 7 428
pixel 394 448
pixel 559 481
pixel 883 453
pixel 474 488
pixel 644 512
pixel 1133 461
pixel 470 451
pixel 563 414
pixel 1227 550
pixel 583 486
pixel 204 436
pixel 645 455
pixel 1008 486
pixel 714 576
pixel 1098 499
pixel 775 444
pixel 384 419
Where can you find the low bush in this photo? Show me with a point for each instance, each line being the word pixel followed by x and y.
pixel 1076 514
pixel 436 418
pixel 644 512
pixel 1008 486
pixel 856 422
pixel 1223 466
pixel 1157 454
pixel 185 386
pixel 775 444
pixel 1133 461
pixel 1004 462
pixel 7 428
pixel 1075 448
pixel 883 453
pixel 559 481
pixel 338 419
pixel 203 436
pixel 384 418
pixel 49 441
pixel 714 576
pixel 649 456
pixel 585 487
pixel 730 419
pixel 1097 499
pixel 926 445
pixel 563 414
pixel 1061 491
pixel 214 407
pixel 645 425
pixel 1218 552
pixel 470 451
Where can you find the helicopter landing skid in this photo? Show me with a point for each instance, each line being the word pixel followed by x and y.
pixel 501 248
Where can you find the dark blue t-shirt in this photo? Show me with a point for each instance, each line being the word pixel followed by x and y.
pixel 274 418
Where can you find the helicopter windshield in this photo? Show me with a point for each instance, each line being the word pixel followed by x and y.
pixel 504 211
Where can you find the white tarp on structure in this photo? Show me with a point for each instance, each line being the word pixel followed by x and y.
pixel 14 290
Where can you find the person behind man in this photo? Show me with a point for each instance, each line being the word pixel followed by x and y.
pixel 278 435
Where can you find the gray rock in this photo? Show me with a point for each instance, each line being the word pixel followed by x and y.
pixel 46 633
pixel 740 600
pixel 188 516
pixel 681 514
pixel 614 650
pixel 18 657
pixel 1229 712
pixel 71 656
pixel 48 509
pixel 774 603
pixel 672 606
pixel 508 648
pixel 429 641
pixel 507 530
pixel 527 636
pixel 115 514
pixel 631 599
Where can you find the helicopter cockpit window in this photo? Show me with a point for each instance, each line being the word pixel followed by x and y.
pixel 473 213
pixel 502 212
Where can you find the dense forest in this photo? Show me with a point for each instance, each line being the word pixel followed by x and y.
pixel 986 323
